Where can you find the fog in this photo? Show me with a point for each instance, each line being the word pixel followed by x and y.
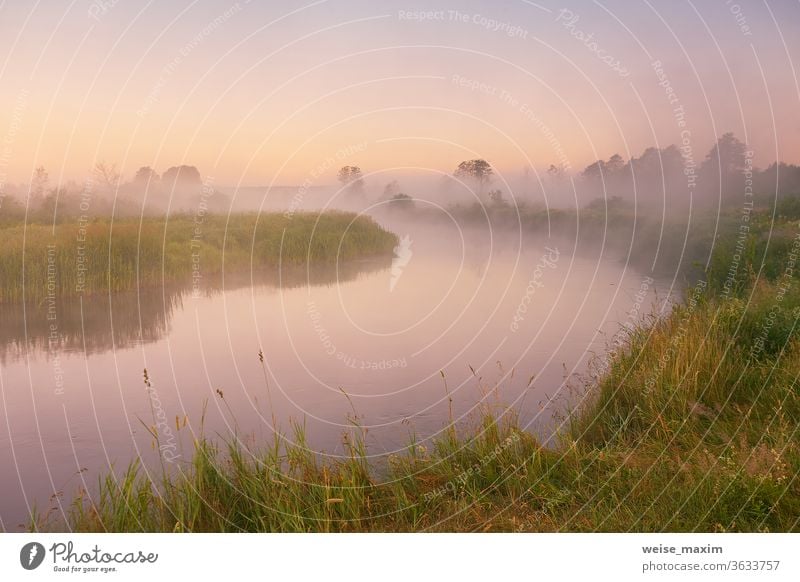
pixel 669 183
pixel 659 211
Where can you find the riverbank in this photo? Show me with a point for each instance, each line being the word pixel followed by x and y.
pixel 41 262
pixel 692 425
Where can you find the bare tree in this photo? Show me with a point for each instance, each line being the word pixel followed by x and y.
pixel 107 176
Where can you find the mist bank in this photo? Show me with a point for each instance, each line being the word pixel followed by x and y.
pixel 661 212
pixel 670 182
pixel 683 249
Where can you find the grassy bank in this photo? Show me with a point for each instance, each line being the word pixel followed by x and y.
pixel 692 426
pixel 38 261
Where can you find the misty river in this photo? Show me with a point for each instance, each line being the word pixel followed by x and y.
pixel 377 339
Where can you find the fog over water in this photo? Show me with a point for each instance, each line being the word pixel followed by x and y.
pixel 505 319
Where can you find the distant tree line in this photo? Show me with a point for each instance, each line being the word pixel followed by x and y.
pixel 179 188
pixel 672 178
pixel 672 175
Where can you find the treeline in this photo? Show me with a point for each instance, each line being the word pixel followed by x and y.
pixel 675 176
pixel 670 181
pixel 180 189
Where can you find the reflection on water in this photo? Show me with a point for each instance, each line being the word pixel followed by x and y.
pixel 92 325
pixel 101 322
pixel 489 312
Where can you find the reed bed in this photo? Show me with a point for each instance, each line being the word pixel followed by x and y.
pixel 39 262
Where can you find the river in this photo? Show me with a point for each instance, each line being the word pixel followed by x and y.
pixel 378 340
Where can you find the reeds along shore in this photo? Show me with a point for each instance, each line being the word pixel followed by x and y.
pixel 84 257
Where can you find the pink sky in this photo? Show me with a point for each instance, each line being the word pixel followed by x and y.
pixel 252 94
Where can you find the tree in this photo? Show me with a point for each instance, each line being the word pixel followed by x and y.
pixel 648 164
pixel 601 169
pixel 391 189
pixel 614 164
pixel 478 170
pixel 728 154
pixel 594 171
pixel 723 169
pixel 652 172
pixel 496 196
pixel 107 176
pixel 182 176
pixel 145 177
pixel 352 181
pixel 351 176
pixel 778 179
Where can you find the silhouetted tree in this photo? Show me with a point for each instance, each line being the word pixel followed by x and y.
pixel 606 178
pixel 657 178
pixel 182 177
pixel 350 176
pixel 778 180
pixel 729 153
pixel 146 177
pixel 496 197
pixel 352 181
pixel 391 189
pixel 107 176
pixel 593 171
pixel 722 171
pixel 614 164
pixel 478 170
pixel 604 169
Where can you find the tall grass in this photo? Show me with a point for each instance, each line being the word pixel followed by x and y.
pixel 693 426
pixel 39 261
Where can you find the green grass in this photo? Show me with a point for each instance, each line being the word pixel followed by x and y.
pixel 39 261
pixel 692 426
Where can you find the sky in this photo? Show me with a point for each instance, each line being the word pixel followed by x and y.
pixel 257 93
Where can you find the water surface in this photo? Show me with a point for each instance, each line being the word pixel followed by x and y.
pixel 488 312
